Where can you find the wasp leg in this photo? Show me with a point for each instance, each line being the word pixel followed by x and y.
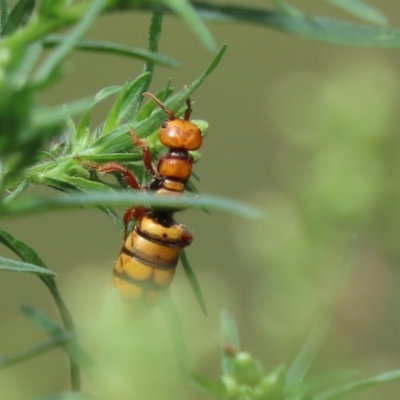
pixel 142 144
pixel 187 238
pixel 132 214
pixel 106 168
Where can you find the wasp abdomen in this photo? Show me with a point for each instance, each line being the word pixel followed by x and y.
pixel 146 265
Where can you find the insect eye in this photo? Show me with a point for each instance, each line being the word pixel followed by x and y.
pixel 164 124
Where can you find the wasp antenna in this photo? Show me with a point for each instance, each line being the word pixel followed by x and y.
pixel 161 105
pixel 188 111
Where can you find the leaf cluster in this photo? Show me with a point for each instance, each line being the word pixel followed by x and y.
pixel 244 378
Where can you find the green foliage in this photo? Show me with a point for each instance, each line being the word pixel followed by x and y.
pixel 39 145
pixel 243 377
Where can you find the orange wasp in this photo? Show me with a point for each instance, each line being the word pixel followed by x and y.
pixel 150 253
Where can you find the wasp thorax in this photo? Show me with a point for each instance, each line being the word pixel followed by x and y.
pixel 180 134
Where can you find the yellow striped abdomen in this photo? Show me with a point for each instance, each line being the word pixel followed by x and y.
pixel 146 265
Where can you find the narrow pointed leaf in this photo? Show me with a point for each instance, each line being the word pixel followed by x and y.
pixel 32 204
pixel 56 341
pixel 304 360
pixel 127 102
pixel 311 27
pixel 28 255
pixel 41 320
pixel 229 330
pixel 17 191
pixel 55 59
pixel 361 10
pixel 58 183
pixel 19 16
pixel 69 183
pixel 214 389
pixel 154 38
pixel 4 11
pixel 175 101
pixel 286 8
pixel 114 217
pixel 29 58
pixel 230 342
pixel 185 10
pixel 194 283
pixel 115 48
pixel 49 8
pixel 19 266
pixel 380 379
pixel 48 116
pixel 82 131
pixel 21 249
pixel 67 396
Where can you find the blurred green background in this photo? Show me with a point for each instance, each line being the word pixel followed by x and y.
pixel 306 131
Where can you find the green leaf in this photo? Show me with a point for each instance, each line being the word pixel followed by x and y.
pixel 68 183
pixel 286 8
pixel 4 11
pixel 215 389
pixel 311 27
pixel 114 217
pixel 359 9
pixel 41 320
pixel 19 16
pixel 154 38
pixel 82 132
pixel 17 191
pixel 7 361
pixel 57 57
pixel 28 59
pixel 194 283
pixel 315 383
pixel 304 360
pixel 48 116
pixel 29 205
pixel 127 101
pixel 230 342
pixel 66 396
pixel 49 8
pixel 380 379
pixel 21 249
pixel 175 101
pixel 273 385
pixel 229 330
pixel 59 183
pixel 115 48
pixel 29 255
pixel 185 10
pixel 19 266
pixel 117 157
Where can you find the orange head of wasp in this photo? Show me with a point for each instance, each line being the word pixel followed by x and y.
pixel 178 133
